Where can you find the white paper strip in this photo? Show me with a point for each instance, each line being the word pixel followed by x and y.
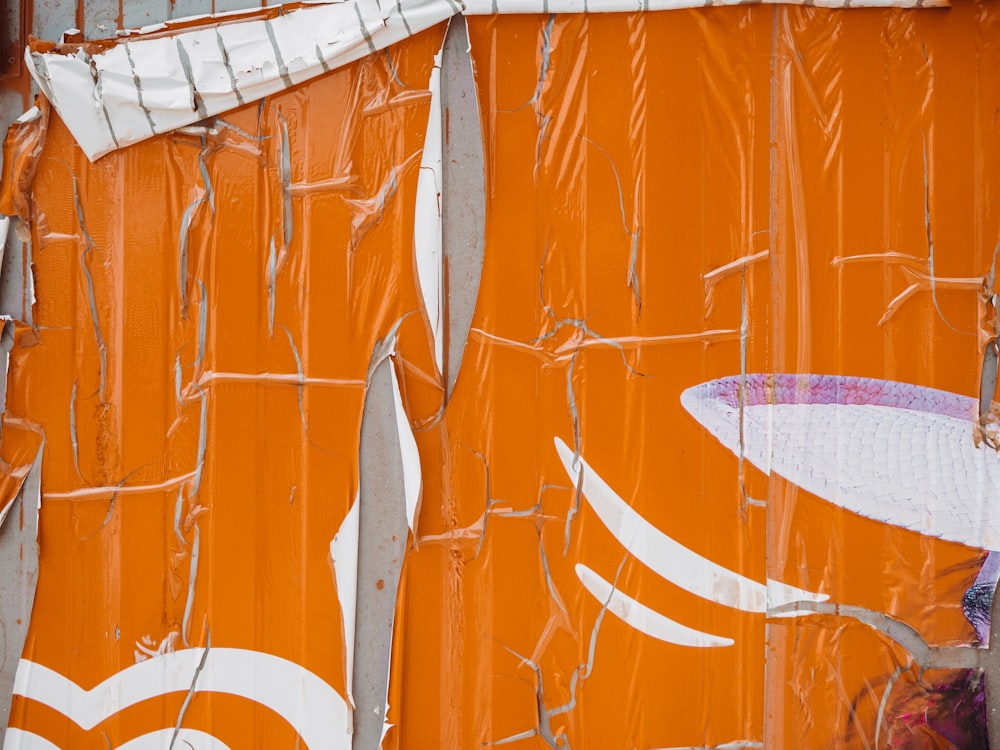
pixel 344 553
pixel 491 7
pixel 427 217
pixel 409 455
pixel 142 87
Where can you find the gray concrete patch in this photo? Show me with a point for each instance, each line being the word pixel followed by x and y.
pixel 381 545
pixel 19 562
pixel 463 191
pixel 100 18
pixel 53 17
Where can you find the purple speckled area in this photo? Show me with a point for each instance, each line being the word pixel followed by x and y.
pixel 764 388
pixel 954 711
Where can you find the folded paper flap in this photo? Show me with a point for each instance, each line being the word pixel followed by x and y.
pixel 21 149
pixel 114 95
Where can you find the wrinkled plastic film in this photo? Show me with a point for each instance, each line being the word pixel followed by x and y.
pixel 899 206
pixel 662 539
pixel 210 303
pixel 718 469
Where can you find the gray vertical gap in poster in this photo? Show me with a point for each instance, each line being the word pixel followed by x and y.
pixel 12 277
pixel 381 544
pixel 463 191
pixel 19 561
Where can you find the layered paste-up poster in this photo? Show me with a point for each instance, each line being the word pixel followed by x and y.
pixel 720 466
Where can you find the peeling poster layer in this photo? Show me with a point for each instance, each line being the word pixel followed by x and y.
pixel 198 369
pixel 159 79
pixel 719 468
pixel 689 214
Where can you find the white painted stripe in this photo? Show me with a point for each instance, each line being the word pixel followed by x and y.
pixel 644 619
pixel 670 559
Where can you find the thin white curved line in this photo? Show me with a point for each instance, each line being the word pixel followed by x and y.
pixel 314 709
pixel 670 559
pixel 644 619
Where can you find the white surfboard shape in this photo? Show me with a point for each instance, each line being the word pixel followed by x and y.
pixel 897 453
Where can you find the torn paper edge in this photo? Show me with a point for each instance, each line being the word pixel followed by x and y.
pixel 143 87
pixel 427 217
pixel 4 229
pixel 21 474
pixel 344 554
pixel 408 453
pixel 502 7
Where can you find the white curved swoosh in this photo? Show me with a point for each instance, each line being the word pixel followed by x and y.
pixel 670 559
pixel 644 619
pixel 314 709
